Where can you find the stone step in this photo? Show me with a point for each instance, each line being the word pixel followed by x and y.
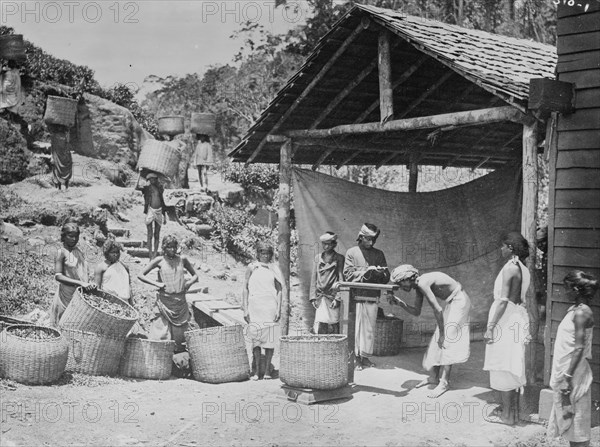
pixel 119 231
pixel 138 252
pixel 132 243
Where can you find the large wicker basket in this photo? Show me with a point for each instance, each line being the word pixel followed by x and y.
pixel 147 359
pixel 93 354
pixel 218 354
pixel 159 157
pixel 314 361
pixel 204 123
pixel 388 336
pixel 5 321
pixel 29 360
pixel 81 315
pixel 12 47
pixel 60 111
pixel 170 125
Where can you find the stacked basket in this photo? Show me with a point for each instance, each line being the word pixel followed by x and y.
pixel 95 332
pixel 319 362
pixel 218 354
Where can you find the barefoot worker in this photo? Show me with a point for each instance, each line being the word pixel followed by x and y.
pixel 507 329
pixel 450 343
pixel 328 270
pixel 171 313
pixel 203 159
pixel 571 377
pixel 261 303
pixel 364 263
pixel 111 275
pixel 71 271
pixel 154 206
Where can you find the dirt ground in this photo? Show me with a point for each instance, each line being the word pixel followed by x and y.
pixel 384 408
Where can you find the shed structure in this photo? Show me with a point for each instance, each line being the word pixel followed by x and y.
pixel 384 88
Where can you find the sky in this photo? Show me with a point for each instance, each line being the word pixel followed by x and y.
pixel 125 41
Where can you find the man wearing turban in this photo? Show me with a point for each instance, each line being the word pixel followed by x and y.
pixel 450 343
pixel 328 270
pixel 365 263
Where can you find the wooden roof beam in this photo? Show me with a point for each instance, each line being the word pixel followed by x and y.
pixel 484 161
pixel 322 158
pixel 403 77
pixel 348 159
pixel 481 116
pixel 386 88
pixel 387 159
pixel 425 94
pixel 361 26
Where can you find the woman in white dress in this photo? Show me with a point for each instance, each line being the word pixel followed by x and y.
pixel 508 329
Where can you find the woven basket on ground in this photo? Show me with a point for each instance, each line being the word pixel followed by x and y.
pixel 60 111
pixel 314 361
pixel 5 321
pixel 12 47
pixel 81 315
pixel 218 354
pixel 170 125
pixel 147 359
pixel 31 360
pixel 159 156
pixel 204 123
pixel 388 336
pixel 93 354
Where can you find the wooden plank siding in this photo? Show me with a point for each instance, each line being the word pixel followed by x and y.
pixel 574 203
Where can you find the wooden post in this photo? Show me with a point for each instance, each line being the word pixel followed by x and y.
pixel 347 326
pixel 285 177
pixel 528 229
pixel 386 91
pixel 413 173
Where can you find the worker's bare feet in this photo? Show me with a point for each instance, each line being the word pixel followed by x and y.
pixel 367 363
pixel 425 382
pixel 254 377
pixel 439 390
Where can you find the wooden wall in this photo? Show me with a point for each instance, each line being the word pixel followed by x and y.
pixel 574 208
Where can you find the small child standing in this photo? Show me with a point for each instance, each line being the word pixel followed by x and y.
pixel 71 271
pixel 154 205
pixel 203 159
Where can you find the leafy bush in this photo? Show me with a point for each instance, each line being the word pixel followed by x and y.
pixel 13 158
pixel 227 223
pixel 255 175
pixel 122 95
pixel 245 242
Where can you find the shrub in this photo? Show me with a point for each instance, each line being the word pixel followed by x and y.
pixel 263 176
pixel 13 158
pixel 227 223
pixel 245 242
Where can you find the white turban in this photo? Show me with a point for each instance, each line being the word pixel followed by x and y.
pixel 365 231
pixel 402 272
pixel 328 237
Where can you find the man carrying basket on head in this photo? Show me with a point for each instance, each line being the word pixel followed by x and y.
pixel 154 206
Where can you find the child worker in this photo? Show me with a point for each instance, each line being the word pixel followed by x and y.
pixel 172 314
pixel 203 159
pixel 111 275
pixel 154 206
pixel 328 271
pixel 71 271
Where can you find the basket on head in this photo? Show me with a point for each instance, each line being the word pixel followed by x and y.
pixel 218 354
pixel 33 355
pixel 93 354
pixel 158 156
pixel 170 125
pixel 147 359
pixel 204 123
pixel 12 47
pixel 80 314
pixel 60 111
pixel 319 362
pixel 388 336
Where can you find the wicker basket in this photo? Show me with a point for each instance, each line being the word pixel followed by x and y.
pixel 171 125
pixel 93 354
pixel 147 359
pixel 60 111
pixel 5 321
pixel 218 354
pixel 31 361
pixel 82 316
pixel 388 336
pixel 314 361
pixel 12 47
pixel 159 157
pixel 204 123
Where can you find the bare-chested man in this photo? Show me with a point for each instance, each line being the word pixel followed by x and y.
pixel 450 342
